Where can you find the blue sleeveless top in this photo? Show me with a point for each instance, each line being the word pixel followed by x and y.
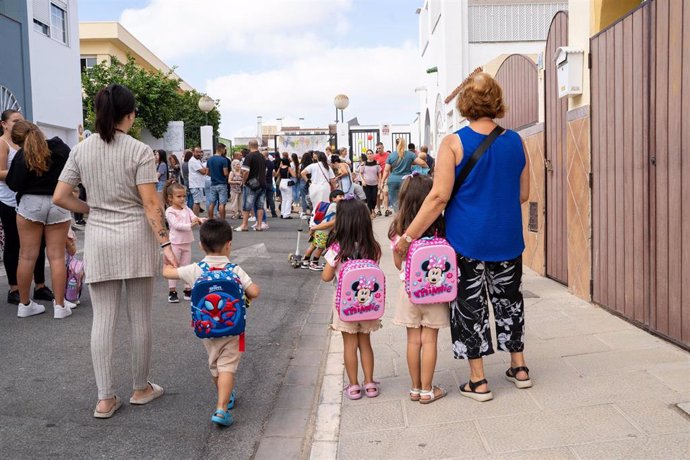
pixel 484 219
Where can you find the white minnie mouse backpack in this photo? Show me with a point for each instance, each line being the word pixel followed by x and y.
pixel 431 271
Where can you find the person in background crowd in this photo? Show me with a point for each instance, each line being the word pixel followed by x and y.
pixel 8 216
pixel 380 156
pixel 174 168
pixel 398 165
pixel 217 167
pixel 235 182
pixel 118 248
pixel 322 179
pixel 79 217
pixel 488 250
pixel 307 159
pixel 270 189
pixel 162 169
pixel 344 154
pixel 197 173
pixel 294 164
pixel 342 174
pixel 420 169
pixel 371 175
pixel 286 174
pixel 429 159
pixel 185 176
pixel 254 177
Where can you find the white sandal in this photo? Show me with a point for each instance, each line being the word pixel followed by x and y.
pixel 414 394
pixel 429 396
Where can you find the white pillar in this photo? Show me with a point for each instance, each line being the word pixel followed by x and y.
pixel 343 134
pixel 207 138
pixel 174 136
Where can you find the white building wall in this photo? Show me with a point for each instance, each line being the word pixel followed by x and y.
pixel 56 79
pixel 446 45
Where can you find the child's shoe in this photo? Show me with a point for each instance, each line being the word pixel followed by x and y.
pixel 30 309
pixel 222 417
pixel 314 266
pixel 187 294
pixel 172 297
pixel 61 311
pixel 233 397
pixel 305 263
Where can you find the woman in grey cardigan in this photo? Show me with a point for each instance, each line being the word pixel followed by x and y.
pixel 125 230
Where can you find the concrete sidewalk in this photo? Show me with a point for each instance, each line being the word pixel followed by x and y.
pixel 602 389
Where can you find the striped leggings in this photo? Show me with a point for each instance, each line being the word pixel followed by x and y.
pixel 106 300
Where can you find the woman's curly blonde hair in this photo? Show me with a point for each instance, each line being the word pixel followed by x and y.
pixel 480 96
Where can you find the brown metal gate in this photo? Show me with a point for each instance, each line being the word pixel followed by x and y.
pixel 555 126
pixel 640 82
pixel 518 77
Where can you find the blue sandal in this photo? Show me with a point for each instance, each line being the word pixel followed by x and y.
pixel 231 403
pixel 222 417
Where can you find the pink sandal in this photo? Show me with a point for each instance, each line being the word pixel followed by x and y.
pixel 352 392
pixel 371 389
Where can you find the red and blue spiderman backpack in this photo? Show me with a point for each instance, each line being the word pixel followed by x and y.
pixel 218 303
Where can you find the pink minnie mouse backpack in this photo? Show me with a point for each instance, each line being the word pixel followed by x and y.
pixel 431 271
pixel 361 292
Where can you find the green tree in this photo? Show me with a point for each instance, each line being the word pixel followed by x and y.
pixel 158 96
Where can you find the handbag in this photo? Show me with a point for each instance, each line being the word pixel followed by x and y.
pixel 331 182
pixel 254 184
pixel 483 147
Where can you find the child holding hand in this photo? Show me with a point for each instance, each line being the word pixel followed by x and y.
pixel 181 221
pixel 223 352
pixel 422 321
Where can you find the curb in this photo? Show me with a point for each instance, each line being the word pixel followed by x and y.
pixel 327 428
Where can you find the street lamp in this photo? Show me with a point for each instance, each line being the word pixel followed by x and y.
pixel 341 102
pixel 206 104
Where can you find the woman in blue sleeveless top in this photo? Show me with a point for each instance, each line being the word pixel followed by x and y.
pixel 484 226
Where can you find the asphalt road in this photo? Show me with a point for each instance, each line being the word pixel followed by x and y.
pixel 48 391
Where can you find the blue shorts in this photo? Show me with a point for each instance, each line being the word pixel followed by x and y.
pixel 160 186
pixel 252 198
pixel 197 195
pixel 218 194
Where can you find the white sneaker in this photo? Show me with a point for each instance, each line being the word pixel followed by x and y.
pixel 252 219
pixel 31 309
pixel 264 226
pixel 61 312
pixel 70 305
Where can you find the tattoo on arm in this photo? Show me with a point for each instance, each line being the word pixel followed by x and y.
pixel 157 223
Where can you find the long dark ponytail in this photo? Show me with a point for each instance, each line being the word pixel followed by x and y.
pixel 353 232
pixel 112 104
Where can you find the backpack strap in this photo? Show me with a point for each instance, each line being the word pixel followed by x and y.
pixel 483 147
pixel 204 266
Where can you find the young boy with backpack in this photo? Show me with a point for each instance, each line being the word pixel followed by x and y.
pixel 219 295
pixel 322 221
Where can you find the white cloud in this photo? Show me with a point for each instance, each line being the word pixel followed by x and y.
pixel 295 38
pixel 176 28
pixel 379 81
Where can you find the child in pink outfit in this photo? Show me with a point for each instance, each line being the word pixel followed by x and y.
pixel 181 220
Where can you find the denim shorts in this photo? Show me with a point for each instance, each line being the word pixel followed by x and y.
pixel 218 194
pixel 197 195
pixel 253 198
pixel 40 209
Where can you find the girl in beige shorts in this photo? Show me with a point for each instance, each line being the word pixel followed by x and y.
pixel 353 238
pixel 422 321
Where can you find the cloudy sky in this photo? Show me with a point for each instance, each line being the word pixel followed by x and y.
pixel 282 58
